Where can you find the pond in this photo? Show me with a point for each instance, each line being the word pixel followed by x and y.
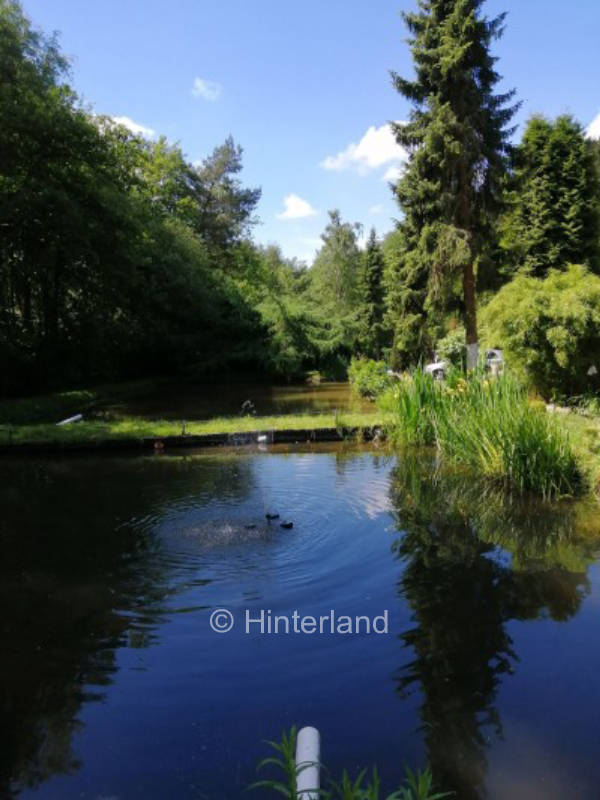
pixel 171 400
pixel 115 686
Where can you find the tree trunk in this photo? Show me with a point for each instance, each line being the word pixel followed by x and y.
pixel 470 316
pixel 465 221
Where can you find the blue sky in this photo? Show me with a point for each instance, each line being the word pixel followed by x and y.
pixel 297 84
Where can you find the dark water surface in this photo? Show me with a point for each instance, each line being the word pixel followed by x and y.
pixel 170 400
pixel 114 686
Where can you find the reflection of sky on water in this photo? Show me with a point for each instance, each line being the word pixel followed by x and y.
pixel 487 672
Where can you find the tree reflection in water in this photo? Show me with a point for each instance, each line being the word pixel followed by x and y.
pixel 81 575
pixel 476 558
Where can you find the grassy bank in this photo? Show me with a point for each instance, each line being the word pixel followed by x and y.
pixel 584 434
pixel 137 428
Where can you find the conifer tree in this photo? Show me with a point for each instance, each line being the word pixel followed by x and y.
pixel 335 270
pixel 372 298
pixel 457 141
pixel 552 219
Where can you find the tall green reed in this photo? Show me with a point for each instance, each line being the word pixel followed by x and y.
pixel 488 425
pixel 413 403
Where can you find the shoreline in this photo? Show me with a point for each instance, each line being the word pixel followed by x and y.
pixel 164 441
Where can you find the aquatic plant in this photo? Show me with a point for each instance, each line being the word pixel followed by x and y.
pixel 418 785
pixel 285 765
pixel 488 425
pixel 413 402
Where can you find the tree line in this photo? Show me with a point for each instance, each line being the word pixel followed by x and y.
pixel 120 258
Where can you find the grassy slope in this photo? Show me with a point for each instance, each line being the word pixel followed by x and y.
pixel 132 428
pixel 584 433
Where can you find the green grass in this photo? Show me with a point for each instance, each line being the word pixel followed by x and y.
pixel 137 428
pixel 490 427
pixel 584 434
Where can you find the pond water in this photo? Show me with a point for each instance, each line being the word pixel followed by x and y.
pixel 114 685
pixel 170 400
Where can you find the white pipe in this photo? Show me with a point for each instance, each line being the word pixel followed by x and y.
pixel 76 418
pixel 308 756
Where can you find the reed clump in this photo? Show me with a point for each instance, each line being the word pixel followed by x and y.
pixel 488 425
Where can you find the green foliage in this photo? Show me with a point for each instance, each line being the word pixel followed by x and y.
pixel 371 332
pixel 336 270
pixel 418 785
pixel 332 297
pixel 487 425
pixel 133 428
pixel 294 328
pixel 368 377
pixel 549 329
pixel 284 763
pixel 414 403
pixel 118 257
pixel 553 198
pixel 457 142
pixel 490 427
pixel 452 349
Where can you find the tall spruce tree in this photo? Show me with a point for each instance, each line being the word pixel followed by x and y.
pixel 371 332
pixel 553 217
pixel 457 144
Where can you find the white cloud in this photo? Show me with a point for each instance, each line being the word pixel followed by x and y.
pixel 393 173
pixel 209 90
pixel 377 147
pixel 593 129
pixel 135 127
pixel 376 209
pixel 296 208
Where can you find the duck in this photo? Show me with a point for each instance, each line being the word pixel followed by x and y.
pixel 271 516
pixel 287 525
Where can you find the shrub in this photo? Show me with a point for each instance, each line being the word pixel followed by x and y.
pixel 452 348
pixel 549 329
pixel 369 378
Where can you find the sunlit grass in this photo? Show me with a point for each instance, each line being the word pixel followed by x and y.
pixel 138 428
pixel 584 433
